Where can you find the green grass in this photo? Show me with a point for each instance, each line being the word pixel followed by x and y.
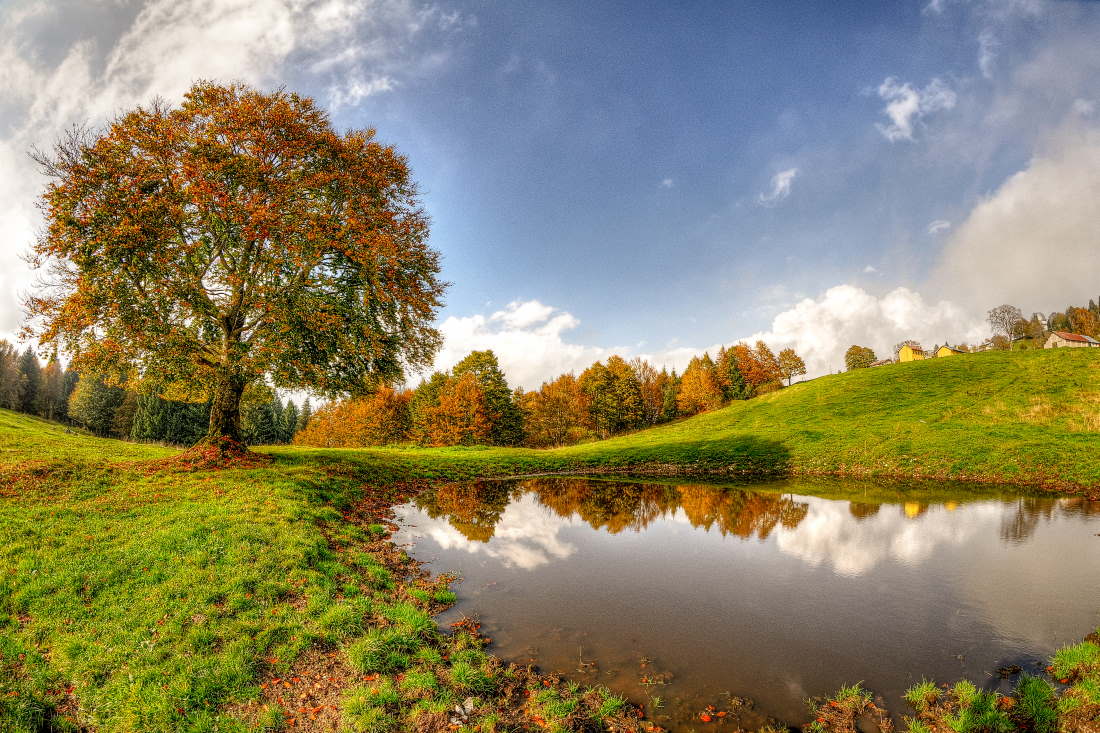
pixel 142 599
pixel 1020 417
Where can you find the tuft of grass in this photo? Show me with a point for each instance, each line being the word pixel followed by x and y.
pixel 410 619
pixel 419 681
pixel 977 711
pixel 382 651
pixel 1074 660
pixel 921 695
pixel 1037 704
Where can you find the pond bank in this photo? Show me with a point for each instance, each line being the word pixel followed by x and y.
pixel 701 595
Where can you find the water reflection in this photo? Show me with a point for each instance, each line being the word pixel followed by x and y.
pixel 476 508
pixel 768 592
pixel 509 513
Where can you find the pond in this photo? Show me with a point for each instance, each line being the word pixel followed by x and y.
pixel 701 595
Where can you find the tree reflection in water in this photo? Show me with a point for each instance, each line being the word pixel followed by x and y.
pixel 475 507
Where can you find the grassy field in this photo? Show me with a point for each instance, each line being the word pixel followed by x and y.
pixel 1029 417
pixel 137 597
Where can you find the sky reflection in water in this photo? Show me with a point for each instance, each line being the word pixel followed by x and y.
pixel 769 593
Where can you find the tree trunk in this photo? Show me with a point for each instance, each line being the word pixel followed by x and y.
pixel 225 411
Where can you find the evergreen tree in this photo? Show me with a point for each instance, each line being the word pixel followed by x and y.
pixel 10 385
pixel 304 416
pixel 671 389
pixel 424 399
pixel 730 378
pixel 504 413
pixel 93 404
pixel 290 421
pixel 159 420
pixel 52 397
pixel 30 378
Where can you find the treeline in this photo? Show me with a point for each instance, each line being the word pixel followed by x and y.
pixel 55 393
pixel 472 404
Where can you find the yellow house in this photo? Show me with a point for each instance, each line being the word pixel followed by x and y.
pixel 946 350
pixel 910 352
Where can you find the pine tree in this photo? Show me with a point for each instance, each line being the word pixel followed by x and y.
pixel 51 397
pixel 159 420
pixel 30 379
pixel 304 416
pixel 93 404
pixel 290 421
pixel 730 378
pixel 9 376
pixel 505 415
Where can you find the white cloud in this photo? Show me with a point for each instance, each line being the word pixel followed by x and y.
pixel 829 535
pixel 526 537
pixel 906 105
pixel 821 329
pixel 1084 107
pixel 870 269
pixel 1035 240
pixel 781 187
pixel 987 52
pixel 666 183
pixel 531 340
pixel 527 337
pixel 356 49
pixel 938 225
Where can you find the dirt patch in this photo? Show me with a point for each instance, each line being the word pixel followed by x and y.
pixel 309 696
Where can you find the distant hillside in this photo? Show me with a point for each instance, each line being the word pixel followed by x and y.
pixel 1030 417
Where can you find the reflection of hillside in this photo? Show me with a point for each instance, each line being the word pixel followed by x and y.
pixel 474 508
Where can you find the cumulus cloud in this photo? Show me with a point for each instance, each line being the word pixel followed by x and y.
pixel 666 183
pixel 528 337
pixel 527 536
pixel 870 270
pixel 781 188
pixel 352 48
pixel 907 105
pixel 1035 240
pixel 822 328
pixel 938 225
pixel 531 339
pixel 829 535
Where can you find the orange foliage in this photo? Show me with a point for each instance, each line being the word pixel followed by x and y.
pixel 461 417
pixel 699 388
pixel 380 419
pixel 557 414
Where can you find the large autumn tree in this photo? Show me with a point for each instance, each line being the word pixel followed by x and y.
pixel 235 239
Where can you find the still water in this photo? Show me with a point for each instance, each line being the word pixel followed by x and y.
pixel 694 593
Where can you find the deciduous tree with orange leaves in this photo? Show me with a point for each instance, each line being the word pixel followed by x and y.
pixel 462 416
pixel 380 419
pixel 699 389
pixel 235 239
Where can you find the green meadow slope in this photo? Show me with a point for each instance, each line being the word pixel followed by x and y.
pixel 1029 417
pixel 138 596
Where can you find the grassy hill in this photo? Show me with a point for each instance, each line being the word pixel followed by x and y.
pixel 1022 417
pixel 136 596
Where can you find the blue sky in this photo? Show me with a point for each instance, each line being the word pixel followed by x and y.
pixel 651 178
